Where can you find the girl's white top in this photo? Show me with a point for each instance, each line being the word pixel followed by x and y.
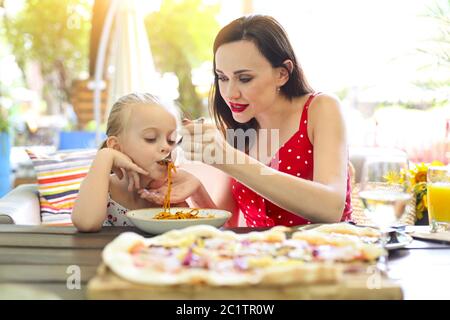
pixel 115 214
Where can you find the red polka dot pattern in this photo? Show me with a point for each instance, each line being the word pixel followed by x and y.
pixel 295 157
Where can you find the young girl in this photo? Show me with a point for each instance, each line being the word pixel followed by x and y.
pixel 140 133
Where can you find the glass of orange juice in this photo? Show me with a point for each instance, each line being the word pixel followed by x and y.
pixel 438 198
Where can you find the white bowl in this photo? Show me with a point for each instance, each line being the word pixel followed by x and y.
pixel 143 219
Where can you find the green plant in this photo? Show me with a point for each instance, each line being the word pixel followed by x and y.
pixel 4 128
pixel 4 123
pixel 181 34
pixel 55 35
pixel 439 12
pixel 343 93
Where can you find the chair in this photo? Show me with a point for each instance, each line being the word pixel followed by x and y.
pixel 21 206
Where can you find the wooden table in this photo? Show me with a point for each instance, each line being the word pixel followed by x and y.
pixel 43 259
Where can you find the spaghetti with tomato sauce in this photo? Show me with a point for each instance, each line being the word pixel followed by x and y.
pixel 166 215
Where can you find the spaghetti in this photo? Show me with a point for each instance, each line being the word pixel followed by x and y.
pixel 165 214
pixel 170 168
pixel 193 214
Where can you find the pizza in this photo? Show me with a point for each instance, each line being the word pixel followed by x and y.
pixel 348 229
pixel 204 255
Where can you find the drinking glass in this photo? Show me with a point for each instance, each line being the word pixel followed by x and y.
pixel 438 198
pixel 384 193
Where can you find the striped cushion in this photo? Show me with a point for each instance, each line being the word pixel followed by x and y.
pixel 59 177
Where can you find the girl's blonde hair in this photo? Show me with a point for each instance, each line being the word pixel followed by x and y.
pixel 116 122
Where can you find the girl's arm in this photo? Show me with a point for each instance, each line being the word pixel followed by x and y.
pixel 320 200
pixel 202 199
pixel 89 211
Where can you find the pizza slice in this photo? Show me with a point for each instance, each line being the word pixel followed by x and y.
pixel 349 229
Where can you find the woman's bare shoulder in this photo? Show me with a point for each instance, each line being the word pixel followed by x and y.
pixel 326 99
pixel 323 105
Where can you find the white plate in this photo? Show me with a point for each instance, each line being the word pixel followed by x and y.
pixel 143 219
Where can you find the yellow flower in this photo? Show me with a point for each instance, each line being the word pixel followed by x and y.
pixel 416 177
pixel 419 207
pixel 420 188
pixel 420 173
pixel 421 176
pixel 393 177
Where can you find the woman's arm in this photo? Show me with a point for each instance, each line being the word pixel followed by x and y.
pixel 226 201
pixel 320 200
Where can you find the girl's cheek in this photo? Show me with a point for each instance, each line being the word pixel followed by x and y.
pixel 151 149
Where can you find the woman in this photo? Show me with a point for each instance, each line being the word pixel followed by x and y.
pixel 260 88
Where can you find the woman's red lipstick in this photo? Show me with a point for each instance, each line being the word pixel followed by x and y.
pixel 238 107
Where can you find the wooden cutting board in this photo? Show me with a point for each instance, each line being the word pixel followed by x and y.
pixel 107 285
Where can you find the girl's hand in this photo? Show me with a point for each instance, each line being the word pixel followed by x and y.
pixel 122 166
pixel 184 184
pixel 203 142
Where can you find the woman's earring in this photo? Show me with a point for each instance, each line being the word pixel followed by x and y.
pixel 278 89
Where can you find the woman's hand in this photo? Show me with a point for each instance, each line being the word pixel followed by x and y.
pixel 122 166
pixel 184 184
pixel 203 142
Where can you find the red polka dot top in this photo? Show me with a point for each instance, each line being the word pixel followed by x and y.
pixel 295 157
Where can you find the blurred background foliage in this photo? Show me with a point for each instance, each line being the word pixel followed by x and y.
pixel 181 34
pixel 439 11
pixel 55 36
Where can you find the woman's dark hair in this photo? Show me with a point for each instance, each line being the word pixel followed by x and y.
pixel 272 41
